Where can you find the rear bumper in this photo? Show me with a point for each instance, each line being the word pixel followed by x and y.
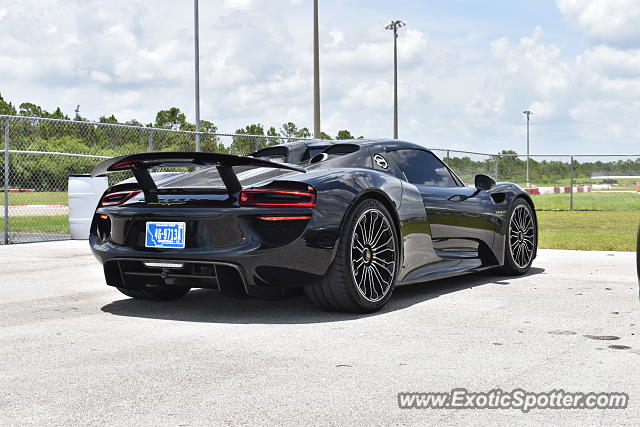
pixel 137 273
pixel 300 262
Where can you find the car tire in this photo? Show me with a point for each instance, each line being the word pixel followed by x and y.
pixel 360 251
pixel 521 238
pixel 159 293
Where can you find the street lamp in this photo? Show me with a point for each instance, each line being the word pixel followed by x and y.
pixel 528 114
pixel 196 39
pixel 316 73
pixel 395 25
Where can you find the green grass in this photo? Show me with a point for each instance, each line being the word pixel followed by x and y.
pixel 590 231
pixel 40 198
pixel 588 201
pixel 39 224
pixel 623 184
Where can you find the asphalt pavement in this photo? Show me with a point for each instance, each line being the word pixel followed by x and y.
pixel 74 351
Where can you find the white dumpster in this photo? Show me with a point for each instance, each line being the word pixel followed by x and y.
pixel 84 194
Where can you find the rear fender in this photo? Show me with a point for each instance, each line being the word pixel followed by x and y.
pixel 339 191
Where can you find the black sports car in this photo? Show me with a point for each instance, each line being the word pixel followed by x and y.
pixel 347 221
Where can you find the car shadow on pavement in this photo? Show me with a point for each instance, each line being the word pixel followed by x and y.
pixel 201 305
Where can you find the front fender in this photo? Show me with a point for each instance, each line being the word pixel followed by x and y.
pixel 511 193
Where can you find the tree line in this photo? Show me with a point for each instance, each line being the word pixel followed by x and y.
pixel 170 131
pixel 553 171
pixel 46 172
pixel 173 119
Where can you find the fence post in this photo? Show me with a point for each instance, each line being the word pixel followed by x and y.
pixel 6 182
pixel 571 196
pixel 257 144
pixel 150 141
pixel 447 156
pixel 497 167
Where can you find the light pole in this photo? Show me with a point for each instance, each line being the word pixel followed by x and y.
pixel 528 114
pixel 316 73
pixel 395 25
pixel 196 38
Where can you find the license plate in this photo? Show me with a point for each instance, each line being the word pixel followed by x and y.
pixel 165 235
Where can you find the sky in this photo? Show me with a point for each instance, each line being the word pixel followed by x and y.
pixel 467 68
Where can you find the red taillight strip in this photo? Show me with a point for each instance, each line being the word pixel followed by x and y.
pixel 284 218
pixel 127 195
pixel 284 205
pixel 311 194
pixel 247 198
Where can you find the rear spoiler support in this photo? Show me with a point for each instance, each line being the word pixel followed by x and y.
pixel 147 184
pixel 229 178
pixel 140 164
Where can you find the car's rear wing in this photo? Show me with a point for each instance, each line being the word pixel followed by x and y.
pixel 140 164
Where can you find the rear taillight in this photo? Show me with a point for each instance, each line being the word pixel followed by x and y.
pixel 279 198
pixel 118 198
pixel 285 218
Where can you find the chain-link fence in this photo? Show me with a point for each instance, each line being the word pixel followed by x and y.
pixel 40 155
pixel 559 182
pixel 578 182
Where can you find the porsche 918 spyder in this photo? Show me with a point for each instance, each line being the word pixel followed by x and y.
pixel 347 221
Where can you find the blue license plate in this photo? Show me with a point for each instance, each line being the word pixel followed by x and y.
pixel 165 235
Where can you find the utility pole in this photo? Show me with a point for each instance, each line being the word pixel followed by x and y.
pixel 316 73
pixel 395 25
pixel 196 38
pixel 527 113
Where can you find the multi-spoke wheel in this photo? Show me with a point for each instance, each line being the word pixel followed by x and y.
pixel 521 238
pixel 362 275
pixel 373 255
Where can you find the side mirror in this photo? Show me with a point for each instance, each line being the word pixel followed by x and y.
pixel 484 182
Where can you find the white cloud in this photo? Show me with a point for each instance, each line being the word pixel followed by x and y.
pixel 240 5
pixel 461 87
pixel 376 55
pixel 366 95
pixel 337 37
pixel 611 61
pixel 610 21
pixel 530 74
pixel 100 77
pixel 3 13
pixel 539 64
pixel 123 100
pixel 69 39
pixel 119 35
pixel 485 105
pixel 543 109
pixel 607 122
pixel 413 46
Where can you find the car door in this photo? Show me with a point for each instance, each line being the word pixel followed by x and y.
pixel 458 216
